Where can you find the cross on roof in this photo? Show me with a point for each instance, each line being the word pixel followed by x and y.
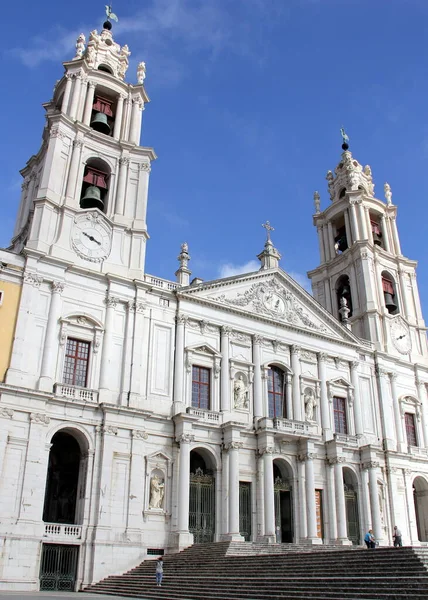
pixel 268 228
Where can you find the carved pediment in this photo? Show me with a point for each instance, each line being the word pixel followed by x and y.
pixel 203 349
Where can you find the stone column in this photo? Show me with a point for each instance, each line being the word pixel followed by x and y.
pixel 354 223
pixel 82 97
pixel 269 497
pixel 125 385
pixel 402 275
pixel 136 485
pixel 385 399
pixel 310 498
pixel 301 485
pixel 138 352
pixel 297 400
pixel 118 118
pixel 365 500
pixel 347 228
pixel 327 292
pixel 258 389
pixel 288 396
pixel 325 409
pixel 50 350
pixel 127 118
pixel 331 500
pixel 363 222
pixel 224 373
pixel 331 239
pixel 89 102
pixel 76 95
pixel 106 360
pixel 135 122
pixel 385 234
pixel 392 486
pixel 395 237
pixel 109 433
pixel 70 191
pixel 397 414
pixel 372 467
pixel 179 400
pixel 121 185
pixel 342 534
pixel 423 397
pixel 357 399
pixel 410 506
pixel 233 451
pixel 369 225
pixel 67 91
pixel 321 244
pixel 185 538
pixel 326 243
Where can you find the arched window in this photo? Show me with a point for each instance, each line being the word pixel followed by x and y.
pixel 389 293
pixel 343 290
pixel 276 392
pixel 95 185
pixel 105 68
pixel 340 240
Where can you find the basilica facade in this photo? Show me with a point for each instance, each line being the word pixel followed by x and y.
pixel 141 415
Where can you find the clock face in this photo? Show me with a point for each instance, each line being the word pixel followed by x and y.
pixel 91 237
pixel 400 335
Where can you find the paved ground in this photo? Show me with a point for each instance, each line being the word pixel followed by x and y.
pixel 57 596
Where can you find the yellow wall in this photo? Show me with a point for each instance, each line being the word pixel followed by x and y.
pixel 8 314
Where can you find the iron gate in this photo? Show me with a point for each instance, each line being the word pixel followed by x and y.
pixel 352 519
pixel 202 506
pixel 58 567
pixel 245 510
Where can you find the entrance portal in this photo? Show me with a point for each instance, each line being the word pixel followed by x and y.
pixel 283 507
pixel 420 495
pixel 58 567
pixel 351 503
pixel 245 510
pixel 62 480
pixel 202 500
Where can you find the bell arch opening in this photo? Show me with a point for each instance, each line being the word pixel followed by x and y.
pixel 389 293
pixel 65 481
pixel 95 185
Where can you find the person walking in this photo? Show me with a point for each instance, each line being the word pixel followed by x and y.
pixel 396 536
pixel 159 571
pixel 369 539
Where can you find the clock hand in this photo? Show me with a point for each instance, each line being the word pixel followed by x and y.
pixel 400 337
pixel 91 237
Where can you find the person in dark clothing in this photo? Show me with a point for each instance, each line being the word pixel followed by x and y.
pixel 396 536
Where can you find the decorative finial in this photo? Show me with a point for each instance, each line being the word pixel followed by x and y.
pixel 80 46
pixel 141 73
pixel 183 272
pixel 345 139
pixel 268 228
pixel 388 193
pixel 110 16
pixel 317 202
pixel 344 311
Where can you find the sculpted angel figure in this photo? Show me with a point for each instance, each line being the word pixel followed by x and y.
pixel 141 72
pixel 80 46
pixel 157 491
pixel 240 393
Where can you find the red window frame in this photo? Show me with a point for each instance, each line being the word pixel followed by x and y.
pixel 201 387
pixel 409 420
pixel 276 393
pixel 340 417
pixel 76 362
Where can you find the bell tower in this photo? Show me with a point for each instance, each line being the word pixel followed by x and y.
pixel 84 197
pixel 363 278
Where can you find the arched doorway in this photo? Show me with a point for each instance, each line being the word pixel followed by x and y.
pixel 202 499
pixel 420 496
pixel 62 481
pixel 283 502
pixel 350 487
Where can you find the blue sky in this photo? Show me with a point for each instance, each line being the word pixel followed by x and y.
pixel 247 98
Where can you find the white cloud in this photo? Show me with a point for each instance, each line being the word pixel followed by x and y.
pixel 301 279
pixel 229 269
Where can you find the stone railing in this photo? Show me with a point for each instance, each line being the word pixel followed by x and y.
pixel 204 415
pixel 416 451
pixel 64 532
pixel 298 428
pixel 348 440
pixel 160 283
pixel 72 392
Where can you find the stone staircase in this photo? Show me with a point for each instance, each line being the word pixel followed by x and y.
pixel 245 571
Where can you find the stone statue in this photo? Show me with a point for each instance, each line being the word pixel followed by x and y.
pixel 317 202
pixel 141 72
pixel 368 171
pixel 157 491
pixel 240 393
pixel 93 36
pixel 124 51
pixel 388 193
pixel 90 55
pixel 310 404
pixel 80 46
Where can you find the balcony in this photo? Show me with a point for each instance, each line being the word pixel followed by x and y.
pixel 416 451
pixel 296 429
pixel 72 392
pixel 62 532
pixel 346 440
pixel 204 415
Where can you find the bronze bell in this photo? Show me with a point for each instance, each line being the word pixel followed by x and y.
pixel 345 291
pixel 92 198
pixel 390 302
pixel 100 123
pixel 377 239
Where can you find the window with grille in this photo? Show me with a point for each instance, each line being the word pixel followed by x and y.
pixel 201 387
pixel 276 388
pixel 409 420
pixel 76 362
pixel 339 409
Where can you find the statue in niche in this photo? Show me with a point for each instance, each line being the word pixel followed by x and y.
pixel 240 393
pixel 157 492
pixel 310 404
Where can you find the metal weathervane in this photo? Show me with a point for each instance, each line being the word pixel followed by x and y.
pixel 110 15
pixel 345 137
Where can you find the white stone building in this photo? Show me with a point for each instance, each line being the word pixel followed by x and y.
pixel 140 415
